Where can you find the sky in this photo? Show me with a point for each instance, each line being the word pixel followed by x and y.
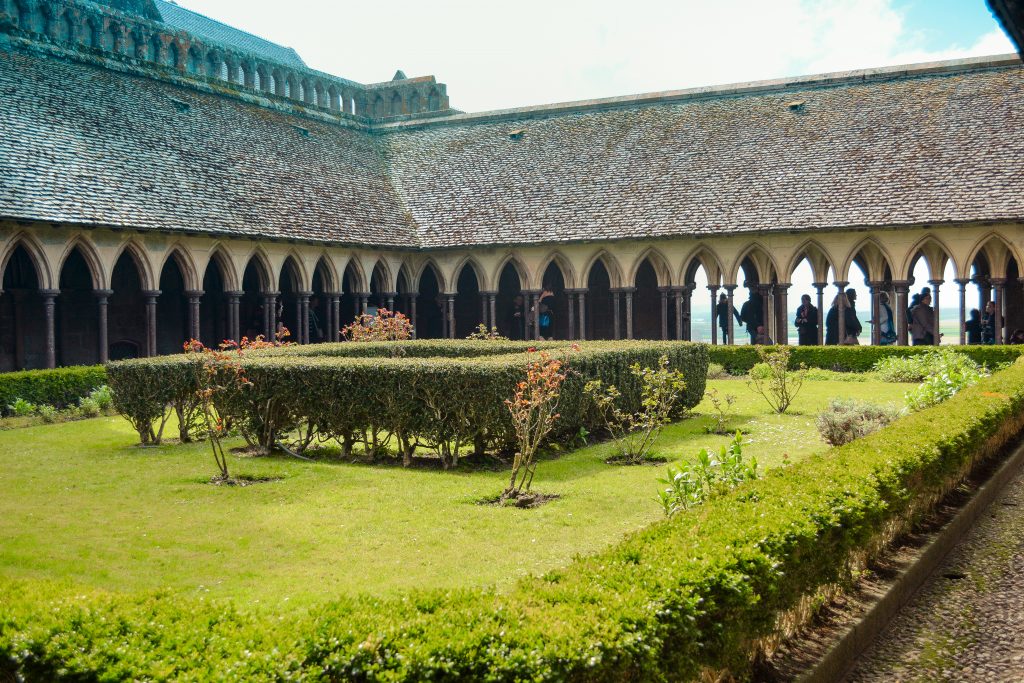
pixel 497 55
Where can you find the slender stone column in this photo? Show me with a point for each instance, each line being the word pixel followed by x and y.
pixel 874 292
pixel 102 300
pixel 663 291
pixel 270 315
pixel 714 321
pixel 412 314
pixel 765 292
pixel 335 316
pixel 49 307
pixel 151 295
pixel 572 312
pixel 582 294
pixel 841 311
pixel 389 300
pixel 234 316
pixel 628 292
pixel 194 296
pixel 820 286
pixel 364 302
pixel 492 307
pixel 677 303
pixel 729 290
pixel 616 314
pixel 999 288
pixel 451 315
pixel 961 283
pixel 533 301
pixel 935 306
pixel 782 313
pixel 902 288
pixel 302 316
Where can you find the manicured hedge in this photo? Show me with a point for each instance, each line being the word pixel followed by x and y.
pixel 739 359
pixel 440 400
pixel 684 594
pixel 59 388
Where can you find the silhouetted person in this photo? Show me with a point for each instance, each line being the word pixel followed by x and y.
pixel 722 316
pixel 832 322
pixel 922 322
pixel 517 319
pixel 972 327
pixel 807 322
pixel 988 324
pixel 853 326
pixel 887 324
pixel 750 314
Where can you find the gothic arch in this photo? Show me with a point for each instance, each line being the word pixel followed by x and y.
pixel 878 259
pixel 138 255
pixel 522 272
pixel 985 246
pixel 478 271
pixel 817 255
pixel 562 263
pixel 762 260
pixel 220 255
pixel 929 247
pixel 438 273
pixel 36 255
pixel 702 256
pixel 658 261
pixel 186 264
pixel 299 269
pixel 385 274
pixel 331 281
pixel 264 271
pixel 89 255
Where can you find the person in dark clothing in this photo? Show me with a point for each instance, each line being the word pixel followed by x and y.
pixel 832 322
pixel 807 322
pixel 973 327
pixel 316 333
pixel 988 324
pixel 545 316
pixel 750 315
pixel 914 301
pixel 516 319
pixel 722 316
pixel 887 322
pixel 853 329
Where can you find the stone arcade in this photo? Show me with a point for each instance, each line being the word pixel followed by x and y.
pixel 164 176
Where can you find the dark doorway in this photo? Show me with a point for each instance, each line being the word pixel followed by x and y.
pixel 77 314
pixel 600 308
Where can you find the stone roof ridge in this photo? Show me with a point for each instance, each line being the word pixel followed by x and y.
pixel 209 28
pixel 739 89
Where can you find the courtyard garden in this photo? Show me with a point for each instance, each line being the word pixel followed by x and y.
pixel 362 541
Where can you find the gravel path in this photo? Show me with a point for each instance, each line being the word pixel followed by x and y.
pixel 967 621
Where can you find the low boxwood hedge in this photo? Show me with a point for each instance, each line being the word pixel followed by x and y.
pixel 689 593
pixel 59 388
pixel 436 393
pixel 739 359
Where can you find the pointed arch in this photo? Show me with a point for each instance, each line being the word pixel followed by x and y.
pixel 36 255
pixel 386 277
pixel 562 263
pixel 929 246
pixel 354 269
pixel 183 257
pixel 702 256
pixel 220 255
pixel 985 246
pixel 325 265
pixel 299 268
pixel 438 273
pixel 610 263
pixel 762 260
pixel 141 260
pixel 522 272
pixel 478 271
pixel 404 276
pixel 264 271
pixel 658 261
pixel 877 259
pixel 817 255
pixel 92 260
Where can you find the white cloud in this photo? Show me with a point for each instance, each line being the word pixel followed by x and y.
pixel 495 55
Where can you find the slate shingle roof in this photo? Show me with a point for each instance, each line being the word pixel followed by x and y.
pixel 81 144
pixel 939 148
pixel 211 29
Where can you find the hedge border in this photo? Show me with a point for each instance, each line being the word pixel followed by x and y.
pixel 642 610
pixel 59 387
pixel 738 360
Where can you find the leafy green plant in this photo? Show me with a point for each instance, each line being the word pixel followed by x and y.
pixel 22 408
pixel 920 367
pixel 103 397
pixel 847 419
pixel 48 414
pixel 717 371
pixel 773 379
pixel 723 414
pixel 60 387
pixel 946 381
pixel 635 432
pixel 710 475
pixel 482 333
pixel 89 407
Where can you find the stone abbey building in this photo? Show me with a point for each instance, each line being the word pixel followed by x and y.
pixel 164 176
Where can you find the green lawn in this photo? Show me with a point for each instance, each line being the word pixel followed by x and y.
pixel 81 503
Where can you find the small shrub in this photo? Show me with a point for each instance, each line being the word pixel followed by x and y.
pixel 48 414
pixel 847 419
pixel 710 476
pixel 22 408
pixel 481 333
pixel 779 385
pixel 103 397
pixel 919 367
pixel 89 407
pixel 533 410
pixel 385 326
pixel 635 432
pixel 717 371
pixel 722 405
pixel 946 381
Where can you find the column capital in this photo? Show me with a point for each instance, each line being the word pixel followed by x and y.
pixel 531 291
pixel 819 285
pixel 936 283
pixel 391 295
pixel 622 290
pixel 962 281
pixel 270 294
pixel 49 293
pixel 194 293
pixel 235 293
pixel 568 290
pixel 875 284
pixel 997 281
pixel 102 293
pixel 783 286
pixel 151 293
pixel 841 284
pixel 713 288
pixel 730 288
